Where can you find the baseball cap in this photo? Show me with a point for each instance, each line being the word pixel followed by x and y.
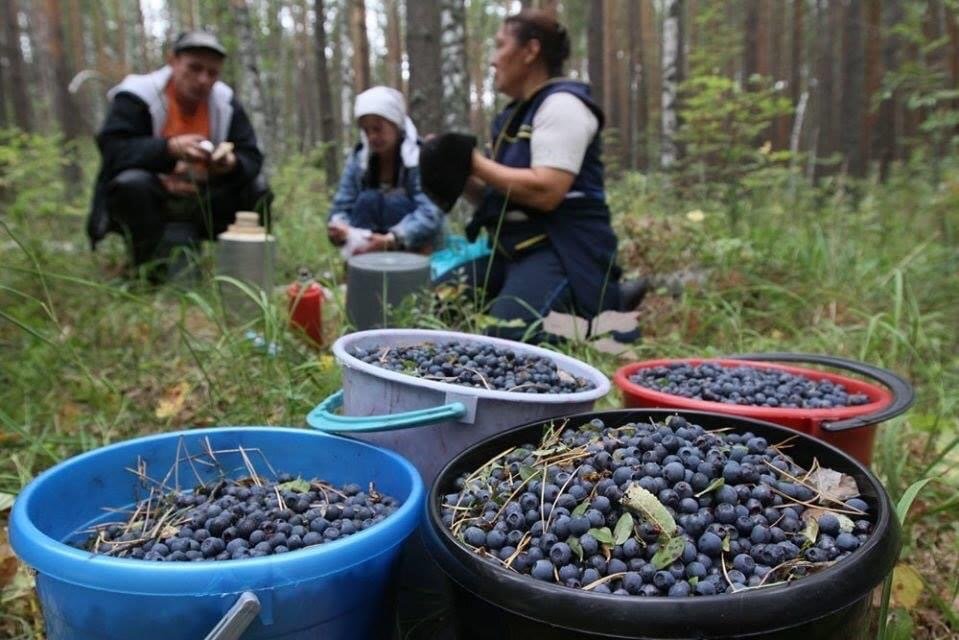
pixel 198 40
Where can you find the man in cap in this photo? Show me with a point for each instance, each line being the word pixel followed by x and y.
pixel 179 156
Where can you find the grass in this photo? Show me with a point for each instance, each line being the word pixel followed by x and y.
pixel 865 271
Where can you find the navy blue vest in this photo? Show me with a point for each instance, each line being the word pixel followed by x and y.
pixel 579 228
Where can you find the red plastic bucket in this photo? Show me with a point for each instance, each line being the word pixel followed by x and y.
pixel 852 429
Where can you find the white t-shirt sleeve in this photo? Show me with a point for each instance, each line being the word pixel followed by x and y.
pixel 563 127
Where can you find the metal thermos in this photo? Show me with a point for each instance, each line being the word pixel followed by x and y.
pixel 377 282
pixel 245 252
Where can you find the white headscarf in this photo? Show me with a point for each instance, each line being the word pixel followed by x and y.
pixel 388 103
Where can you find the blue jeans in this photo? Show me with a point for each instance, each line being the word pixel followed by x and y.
pixel 526 287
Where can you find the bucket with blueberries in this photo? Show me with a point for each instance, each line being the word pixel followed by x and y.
pixel 655 524
pixel 841 410
pixel 253 532
pixel 428 395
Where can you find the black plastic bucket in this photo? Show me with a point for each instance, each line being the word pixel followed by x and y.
pixel 491 602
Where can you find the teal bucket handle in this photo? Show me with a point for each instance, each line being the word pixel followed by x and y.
pixel 322 417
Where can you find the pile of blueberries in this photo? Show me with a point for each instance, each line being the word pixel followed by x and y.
pixel 475 364
pixel 237 519
pixel 737 517
pixel 754 386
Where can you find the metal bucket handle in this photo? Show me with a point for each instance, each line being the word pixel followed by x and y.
pixel 324 418
pixel 903 394
pixel 235 621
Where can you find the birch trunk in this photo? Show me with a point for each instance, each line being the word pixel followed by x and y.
pixel 327 115
pixel 454 66
pixel 19 91
pixel 672 10
pixel 251 83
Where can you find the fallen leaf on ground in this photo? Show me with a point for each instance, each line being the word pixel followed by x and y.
pixel 172 401
pixel 906 586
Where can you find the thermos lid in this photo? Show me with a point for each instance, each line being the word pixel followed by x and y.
pixel 246 228
pixel 389 261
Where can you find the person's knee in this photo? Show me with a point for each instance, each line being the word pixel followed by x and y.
pixel 131 182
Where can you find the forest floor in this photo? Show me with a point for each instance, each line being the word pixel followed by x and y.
pixel 864 271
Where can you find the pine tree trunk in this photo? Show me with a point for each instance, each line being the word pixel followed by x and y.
pixel 423 48
pixel 143 51
pixel 251 84
pixel 4 81
pixel 633 70
pixel 826 143
pixel 596 61
pixel 885 140
pixel 63 101
pixel 796 58
pixel 652 80
pixel 873 77
pixel 851 113
pixel 455 67
pixel 307 74
pixel 119 14
pixel 19 91
pixel 327 115
pixel 643 69
pixel 394 45
pixel 672 64
pixel 611 88
pixel 750 39
pixel 780 68
pixel 361 46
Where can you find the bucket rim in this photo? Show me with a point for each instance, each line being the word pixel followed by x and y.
pixel 663 616
pixel 880 397
pixel 567 363
pixel 55 559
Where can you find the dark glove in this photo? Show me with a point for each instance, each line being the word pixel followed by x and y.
pixel 446 161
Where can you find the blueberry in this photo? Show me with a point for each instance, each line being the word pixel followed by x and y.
pixel 847 542
pixel 679 590
pixel 663 580
pixel 858 505
pixel 710 544
pixel 674 472
pixel 475 537
pixel 543 570
pixel 495 539
pixel 560 554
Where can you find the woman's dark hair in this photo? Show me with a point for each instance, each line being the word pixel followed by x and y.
pixel 536 24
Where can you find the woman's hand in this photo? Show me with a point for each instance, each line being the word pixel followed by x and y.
pixel 378 242
pixel 337 232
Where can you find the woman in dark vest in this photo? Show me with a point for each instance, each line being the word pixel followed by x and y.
pixel 540 190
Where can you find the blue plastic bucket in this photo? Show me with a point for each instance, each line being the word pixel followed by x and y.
pixel 341 589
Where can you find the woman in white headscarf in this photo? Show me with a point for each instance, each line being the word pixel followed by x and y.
pixel 379 205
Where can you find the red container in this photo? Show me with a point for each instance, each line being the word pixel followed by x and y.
pixel 306 308
pixel 852 429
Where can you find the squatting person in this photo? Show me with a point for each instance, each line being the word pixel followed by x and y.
pixel 179 156
pixel 379 205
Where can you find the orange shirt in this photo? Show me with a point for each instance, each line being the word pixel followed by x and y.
pixel 178 122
